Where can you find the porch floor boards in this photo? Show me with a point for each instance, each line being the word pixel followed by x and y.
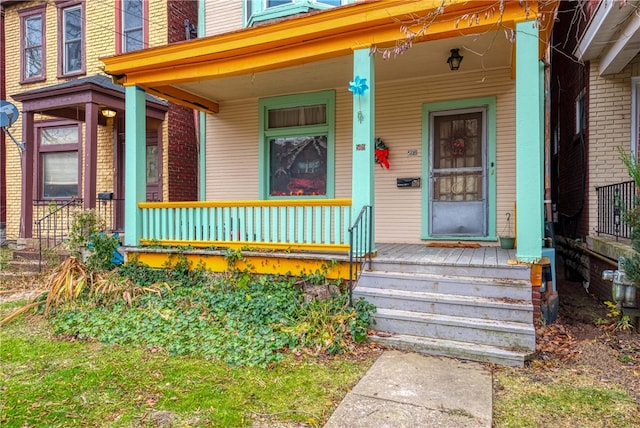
pixel 423 254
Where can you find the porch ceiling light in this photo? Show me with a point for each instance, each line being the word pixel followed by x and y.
pixel 455 59
pixel 107 112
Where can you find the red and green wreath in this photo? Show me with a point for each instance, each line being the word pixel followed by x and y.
pixel 382 153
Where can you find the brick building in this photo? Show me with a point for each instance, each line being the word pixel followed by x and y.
pixel 595 85
pixel 72 119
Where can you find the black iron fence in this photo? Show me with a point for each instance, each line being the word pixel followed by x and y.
pixel 613 201
pixel 112 212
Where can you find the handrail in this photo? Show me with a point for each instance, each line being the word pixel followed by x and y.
pixel 360 245
pixel 249 203
pixel 58 224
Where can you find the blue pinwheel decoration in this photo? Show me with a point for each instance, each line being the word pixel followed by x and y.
pixel 358 86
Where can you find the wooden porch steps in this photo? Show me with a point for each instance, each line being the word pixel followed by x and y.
pixel 476 312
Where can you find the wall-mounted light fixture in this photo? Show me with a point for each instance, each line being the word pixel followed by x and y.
pixel 455 59
pixel 108 113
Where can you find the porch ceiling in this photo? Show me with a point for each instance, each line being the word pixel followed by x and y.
pixel 314 52
pixel 480 52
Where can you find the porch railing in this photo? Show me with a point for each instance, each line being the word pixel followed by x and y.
pixel 360 240
pixel 613 201
pixel 318 224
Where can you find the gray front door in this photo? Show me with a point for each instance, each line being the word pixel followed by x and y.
pixel 457 173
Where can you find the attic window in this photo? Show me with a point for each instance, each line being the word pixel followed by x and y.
pixel 257 11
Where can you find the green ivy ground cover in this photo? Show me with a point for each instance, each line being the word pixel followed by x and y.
pixel 206 351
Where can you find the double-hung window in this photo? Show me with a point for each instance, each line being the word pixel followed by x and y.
pixel 58 144
pixel 71 42
pixel 297 145
pixel 131 25
pixel 32 43
pixel 265 10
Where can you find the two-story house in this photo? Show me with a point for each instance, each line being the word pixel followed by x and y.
pixel 414 126
pixel 72 115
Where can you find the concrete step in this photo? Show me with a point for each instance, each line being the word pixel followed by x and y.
pixel 497 271
pixel 503 334
pixel 503 288
pixel 486 308
pixel 26 254
pixel 455 349
pixel 23 266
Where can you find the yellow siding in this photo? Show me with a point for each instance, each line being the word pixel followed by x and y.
pixel 398 123
pixel 222 16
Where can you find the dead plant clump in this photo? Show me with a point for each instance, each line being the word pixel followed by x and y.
pixel 71 280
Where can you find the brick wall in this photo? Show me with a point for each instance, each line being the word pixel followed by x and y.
pixel 597 285
pixel 182 145
pixel 570 171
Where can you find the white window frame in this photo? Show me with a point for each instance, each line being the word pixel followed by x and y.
pixel 635 114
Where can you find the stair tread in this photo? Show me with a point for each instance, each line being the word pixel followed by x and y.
pixel 444 297
pixel 478 323
pixel 444 277
pixel 453 348
pixel 451 343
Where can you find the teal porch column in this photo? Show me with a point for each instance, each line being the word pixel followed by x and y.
pixel 529 144
pixel 135 163
pixel 362 176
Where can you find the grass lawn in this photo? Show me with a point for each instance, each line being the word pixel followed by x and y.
pixel 60 383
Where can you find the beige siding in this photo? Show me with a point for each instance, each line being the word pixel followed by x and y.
pixel 399 123
pixel 232 147
pixel 232 152
pixel 222 16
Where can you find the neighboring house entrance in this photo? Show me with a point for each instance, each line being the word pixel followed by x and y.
pixel 457 173
pixel 153 173
pixel 154 162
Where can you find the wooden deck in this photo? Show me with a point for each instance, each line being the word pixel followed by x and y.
pixel 423 254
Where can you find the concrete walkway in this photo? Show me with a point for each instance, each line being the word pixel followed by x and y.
pixel 413 390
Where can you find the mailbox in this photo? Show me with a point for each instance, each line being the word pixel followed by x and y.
pixel 408 182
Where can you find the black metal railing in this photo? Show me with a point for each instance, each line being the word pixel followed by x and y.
pixel 360 246
pixel 54 219
pixel 613 201
pixel 112 212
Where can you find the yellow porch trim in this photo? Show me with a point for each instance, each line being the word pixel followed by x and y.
pixel 249 203
pixel 257 264
pixel 318 36
pixel 249 245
